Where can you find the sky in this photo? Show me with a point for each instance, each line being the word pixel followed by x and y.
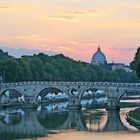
pixel 72 27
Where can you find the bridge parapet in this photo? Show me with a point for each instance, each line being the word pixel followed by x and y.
pixel 68 84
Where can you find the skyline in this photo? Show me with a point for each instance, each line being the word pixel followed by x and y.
pixel 72 27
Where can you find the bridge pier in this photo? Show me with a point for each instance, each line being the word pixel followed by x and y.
pixel 112 104
pixel 74 103
pixel 114 122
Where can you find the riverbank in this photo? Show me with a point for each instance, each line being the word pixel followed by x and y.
pixel 133 117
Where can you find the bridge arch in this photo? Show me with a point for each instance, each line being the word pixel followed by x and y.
pixel 74 91
pixel 51 93
pixel 120 96
pixel 11 94
pixel 90 93
pixel 86 89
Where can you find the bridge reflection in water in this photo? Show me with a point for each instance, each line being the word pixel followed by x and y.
pixel 18 123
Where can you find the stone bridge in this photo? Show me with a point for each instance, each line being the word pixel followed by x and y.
pixel 113 91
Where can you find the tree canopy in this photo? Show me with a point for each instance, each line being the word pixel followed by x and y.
pixel 135 64
pixel 42 67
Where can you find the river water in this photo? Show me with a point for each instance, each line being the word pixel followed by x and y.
pixel 94 124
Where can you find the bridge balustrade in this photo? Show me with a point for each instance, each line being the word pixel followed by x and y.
pixel 84 84
pixel 91 83
pixel 28 83
pixel 108 83
pixel 137 85
pixel 124 84
pixel 37 82
pixel 25 83
pixel 22 83
pixel 95 83
pixel 104 84
pixel 132 85
pixel 121 84
pixel 1 84
pixel 73 83
pixel 19 83
pixel 4 84
pixel 79 83
pixel 127 85
pixel 100 84
pixel 113 84
pixel 65 83
pixel 14 84
pixel 61 83
pixel 88 83
pixel 55 83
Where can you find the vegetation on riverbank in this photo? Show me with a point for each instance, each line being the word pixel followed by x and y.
pixel 135 64
pixel 135 114
pixel 42 67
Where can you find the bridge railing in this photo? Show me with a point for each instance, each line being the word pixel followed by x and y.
pixel 137 85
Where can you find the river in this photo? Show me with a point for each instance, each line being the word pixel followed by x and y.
pixel 94 124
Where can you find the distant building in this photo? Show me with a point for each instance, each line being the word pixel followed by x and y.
pixel 99 58
pixel 116 66
pixel 128 69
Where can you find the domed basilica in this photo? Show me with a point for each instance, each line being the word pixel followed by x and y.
pixel 99 58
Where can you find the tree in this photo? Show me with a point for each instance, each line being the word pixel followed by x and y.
pixel 135 64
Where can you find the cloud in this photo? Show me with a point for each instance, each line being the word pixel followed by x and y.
pixel 44 39
pixel 3 7
pixel 18 52
pixel 49 44
pixel 126 50
pixel 60 18
pixel 81 12
pixel 26 37
pixel 72 16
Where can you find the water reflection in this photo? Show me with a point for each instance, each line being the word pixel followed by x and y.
pixel 52 120
pixel 53 106
pixel 20 124
pixel 95 119
pixel 11 116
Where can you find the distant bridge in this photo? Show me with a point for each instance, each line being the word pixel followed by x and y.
pixel 113 91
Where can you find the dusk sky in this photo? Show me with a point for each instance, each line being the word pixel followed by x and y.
pixel 72 27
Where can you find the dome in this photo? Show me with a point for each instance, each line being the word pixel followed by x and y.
pixel 99 58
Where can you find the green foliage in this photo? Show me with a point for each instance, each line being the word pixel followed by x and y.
pixel 42 67
pixel 135 114
pixel 135 64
